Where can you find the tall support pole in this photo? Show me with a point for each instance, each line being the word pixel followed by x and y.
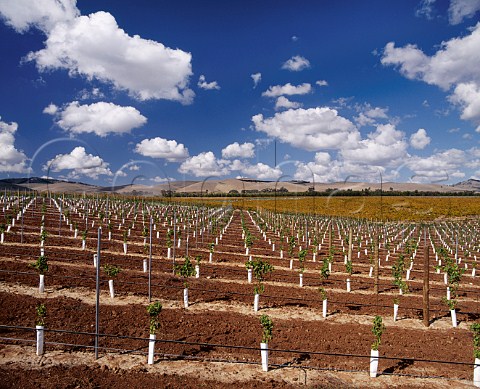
pixel 350 243
pixel 330 237
pixel 97 301
pixel 196 228
pixel 150 265
pixel 174 237
pixel 106 211
pixel 376 256
pixel 60 219
pixel 188 235
pixel 306 232
pixel 456 248
pixel 21 238
pixel 426 281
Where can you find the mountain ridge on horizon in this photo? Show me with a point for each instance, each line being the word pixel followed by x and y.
pixel 230 185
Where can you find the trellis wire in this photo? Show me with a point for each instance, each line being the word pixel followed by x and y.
pixel 235 347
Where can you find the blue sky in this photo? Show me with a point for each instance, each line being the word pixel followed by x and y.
pixel 114 92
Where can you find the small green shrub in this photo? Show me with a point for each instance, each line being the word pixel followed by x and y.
pixel 41 311
pixel 323 293
pixel 475 327
pixel 377 330
pixel 154 310
pixel 324 271
pixel 186 270
pixel 451 304
pixel 301 258
pixel 260 270
pixel 111 270
pixel 267 326
pixel 41 264
pixel 349 267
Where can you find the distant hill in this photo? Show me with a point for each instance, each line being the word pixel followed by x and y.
pixel 233 186
pixel 10 187
pixel 30 180
pixel 469 185
pixel 45 184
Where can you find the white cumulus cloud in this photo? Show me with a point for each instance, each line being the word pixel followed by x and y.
pixel 236 150
pixel 162 148
pixel 95 47
pixel 259 171
pixel 99 118
pixel 296 63
pixel 203 84
pixel 377 113
pixel 256 77
pixel 438 167
pixel 11 159
pixel 204 164
pixel 426 9
pixel 467 96
pixel 309 129
pixel 161 180
pixel 288 89
pixel 321 169
pixel 94 94
pixel 456 61
pixel 385 146
pixel 284 103
pixel 454 65
pixel 461 9
pixel 51 109
pixel 43 14
pixel 419 140
pixel 322 83
pixel 79 163
pixel 369 116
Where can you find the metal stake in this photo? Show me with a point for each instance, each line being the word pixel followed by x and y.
pixel 97 302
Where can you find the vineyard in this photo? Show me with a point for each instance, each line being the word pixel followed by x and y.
pixel 385 208
pixel 124 291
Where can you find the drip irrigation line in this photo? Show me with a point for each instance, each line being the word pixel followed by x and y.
pixel 139 242
pixel 120 256
pixel 272 297
pixel 211 290
pixel 217 345
pixel 306 367
pixel 238 271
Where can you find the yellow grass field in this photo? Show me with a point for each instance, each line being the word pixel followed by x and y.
pixel 406 208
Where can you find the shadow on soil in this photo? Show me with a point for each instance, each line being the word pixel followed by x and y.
pixel 401 365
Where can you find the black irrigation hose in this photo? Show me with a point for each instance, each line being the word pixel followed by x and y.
pixel 217 345
pixel 162 286
pixel 237 271
pixel 196 248
pixel 136 283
